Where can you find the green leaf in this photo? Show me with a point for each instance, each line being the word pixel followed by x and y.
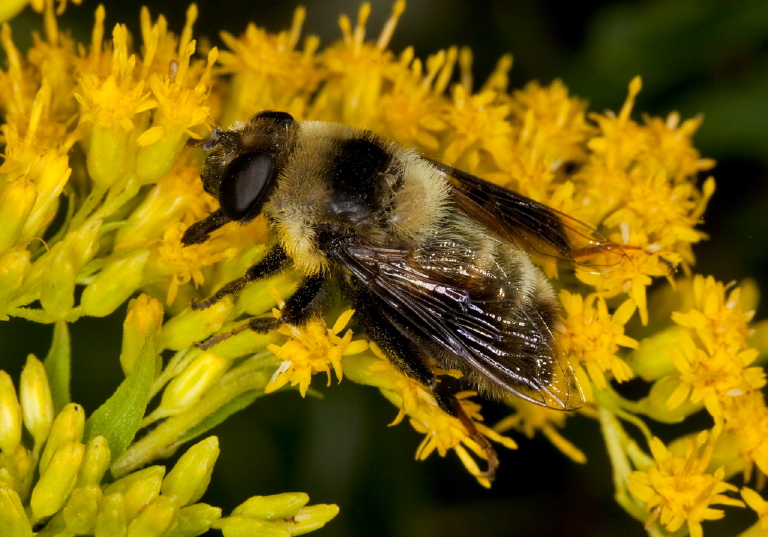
pixel 119 417
pixel 58 365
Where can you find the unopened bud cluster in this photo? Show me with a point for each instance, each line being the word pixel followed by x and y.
pixel 61 484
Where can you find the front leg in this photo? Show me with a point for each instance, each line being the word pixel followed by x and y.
pixel 198 232
pixel 304 304
pixel 273 262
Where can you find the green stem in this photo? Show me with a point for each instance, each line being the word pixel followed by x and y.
pixel 617 442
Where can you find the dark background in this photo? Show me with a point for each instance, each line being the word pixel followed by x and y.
pixel 694 56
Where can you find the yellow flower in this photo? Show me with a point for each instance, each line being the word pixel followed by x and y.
pixel 716 316
pixel 311 349
pixel 443 433
pixel 267 70
pixel 746 421
pixel 358 70
pixel 679 490
pixel 758 504
pixel 714 370
pixel 185 263
pixel 592 336
pixel 414 104
pixel 530 418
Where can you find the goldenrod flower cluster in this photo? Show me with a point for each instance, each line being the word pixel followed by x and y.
pixel 99 180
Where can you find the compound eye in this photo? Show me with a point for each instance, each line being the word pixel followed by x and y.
pixel 245 185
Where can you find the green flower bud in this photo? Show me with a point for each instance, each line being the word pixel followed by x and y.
pixel 655 404
pixel 155 519
pixel 653 359
pixel 57 293
pixel 182 330
pixel 13 519
pixel 67 427
pixel 257 299
pixel 49 173
pixel 189 478
pixel 116 282
pixel 58 480
pixel 191 384
pixel 195 520
pixel 141 327
pixel 138 489
pixel 112 520
pixel 82 508
pixel 36 400
pixel 11 8
pixel 273 507
pixel 62 265
pixel 156 159
pixel 108 151
pixel 24 464
pixel 276 515
pixel 84 243
pixel 14 265
pixel 243 526
pixel 310 518
pixel 16 201
pixel 10 415
pixel 95 462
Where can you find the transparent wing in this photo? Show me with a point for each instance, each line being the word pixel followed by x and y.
pixel 441 304
pixel 530 225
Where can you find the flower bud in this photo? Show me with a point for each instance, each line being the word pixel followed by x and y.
pixel 14 265
pixel 63 263
pixel 141 327
pixel 36 400
pixel 155 519
pixel 9 10
pixel 257 299
pixel 655 404
pixel 82 508
pixel 95 462
pixel 138 489
pixel 166 203
pixel 57 293
pixel 49 173
pixel 10 415
pixel 112 520
pixel 24 464
pixel 16 201
pixel 68 426
pixel 116 282
pixel 156 159
pixel 192 473
pixel 192 383
pixel 58 480
pixel 83 243
pixel 243 526
pixel 273 507
pixel 195 520
pixel 653 359
pixel 13 519
pixel 276 515
pixel 182 330
pixel 310 518
pixel 108 151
